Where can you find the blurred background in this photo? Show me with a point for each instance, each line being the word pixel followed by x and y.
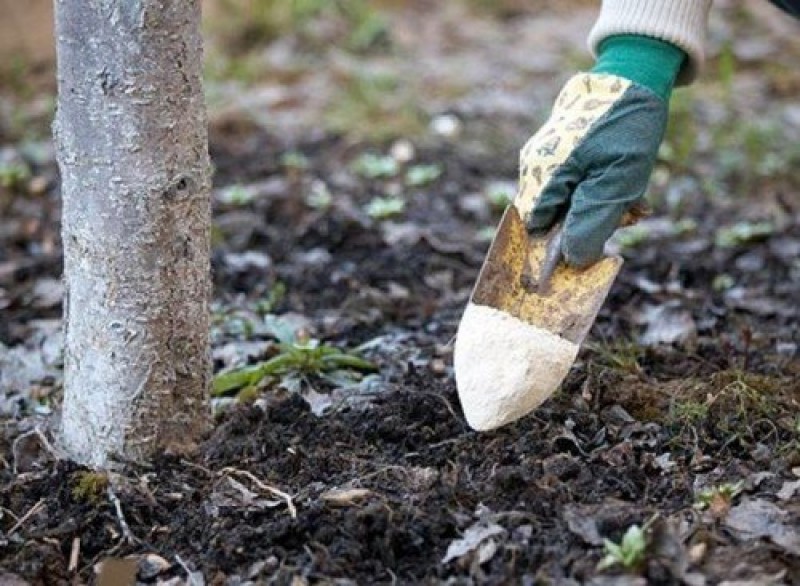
pixel 377 69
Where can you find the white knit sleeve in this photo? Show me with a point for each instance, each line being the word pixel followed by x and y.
pixel 680 22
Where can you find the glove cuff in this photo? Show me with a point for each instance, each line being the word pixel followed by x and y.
pixel 682 23
pixel 646 61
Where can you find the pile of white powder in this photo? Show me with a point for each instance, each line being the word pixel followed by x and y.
pixel 506 367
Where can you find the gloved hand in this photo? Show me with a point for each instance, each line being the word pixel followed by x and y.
pixel 592 160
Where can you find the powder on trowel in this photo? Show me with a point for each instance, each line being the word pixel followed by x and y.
pixel 506 367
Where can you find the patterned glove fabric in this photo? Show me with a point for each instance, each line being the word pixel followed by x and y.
pixel 592 160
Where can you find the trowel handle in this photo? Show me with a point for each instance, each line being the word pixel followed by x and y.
pixel 552 257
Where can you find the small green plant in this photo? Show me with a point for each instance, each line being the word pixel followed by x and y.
pixel 743 233
pixel 681 141
pixel 89 486
pixel 319 196
pixel 621 355
pixel 499 195
pixel 375 107
pixel 13 175
pixel 382 208
pixel 717 496
pixel 274 296
pixel 245 25
pixel 367 27
pixel 632 236
pixel 688 412
pixel 419 175
pixel 726 70
pixel 372 166
pixel 630 553
pixel 722 282
pixel 295 161
pixel 15 76
pixel 237 195
pixel 297 356
pixel 486 234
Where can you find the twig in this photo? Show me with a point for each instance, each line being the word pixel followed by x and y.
pixel 10 512
pixel 45 443
pixel 197 467
pixel 192 580
pixel 272 490
pixel 447 404
pixel 32 511
pixel 74 555
pixel 126 530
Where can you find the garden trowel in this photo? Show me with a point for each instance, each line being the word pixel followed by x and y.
pixel 524 324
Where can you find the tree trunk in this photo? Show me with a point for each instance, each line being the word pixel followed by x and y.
pixel 132 147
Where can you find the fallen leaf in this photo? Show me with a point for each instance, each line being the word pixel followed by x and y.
pixel 582 525
pixel 763 580
pixel 669 323
pixel 757 518
pixel 318 402
pixel 472 539
pixel 788 490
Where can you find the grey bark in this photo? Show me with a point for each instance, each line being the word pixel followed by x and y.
pixel 131 142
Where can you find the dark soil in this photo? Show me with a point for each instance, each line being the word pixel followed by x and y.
pixel 380 490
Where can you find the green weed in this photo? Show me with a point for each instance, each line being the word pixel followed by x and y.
pixel 419 175
pixel 718 496
pixel 14 175
pixel 89 486
pixel 679 146
pixel 319 196
pixel 373 166
pixel 382 208
pixel 630 553
pixel 621 355
pixel 294 161
pixel 274 296
pixel 726 70
pixel 250 23
pixel 486 233
pixel 688 412
pixel 743 233
pixel 374 107
pixel 297 356
pixel 15 75
pixel 500 195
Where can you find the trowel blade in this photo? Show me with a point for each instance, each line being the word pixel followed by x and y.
pixel 514 346
pixel 508 282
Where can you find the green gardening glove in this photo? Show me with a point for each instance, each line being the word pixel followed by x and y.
pixel 592 160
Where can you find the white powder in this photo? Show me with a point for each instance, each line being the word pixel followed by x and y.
pixel 506 367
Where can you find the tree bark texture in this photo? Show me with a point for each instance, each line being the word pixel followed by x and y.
pixel 132 147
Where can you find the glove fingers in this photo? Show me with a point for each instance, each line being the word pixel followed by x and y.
pixel 554 199
pixel 598 205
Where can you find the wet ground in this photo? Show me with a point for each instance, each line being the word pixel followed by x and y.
pixel 680 416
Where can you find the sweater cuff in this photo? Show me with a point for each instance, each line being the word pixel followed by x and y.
pixel 680 22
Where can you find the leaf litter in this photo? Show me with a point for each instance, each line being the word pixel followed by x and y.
pixel 685 386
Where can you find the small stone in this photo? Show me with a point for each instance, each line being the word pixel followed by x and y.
pixel 446 125
pixel 402 151
pixel 151 565
pixel 697 552
pixel 437 366
pixel 37 185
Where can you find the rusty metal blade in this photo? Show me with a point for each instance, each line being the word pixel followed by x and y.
pixel 508 282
